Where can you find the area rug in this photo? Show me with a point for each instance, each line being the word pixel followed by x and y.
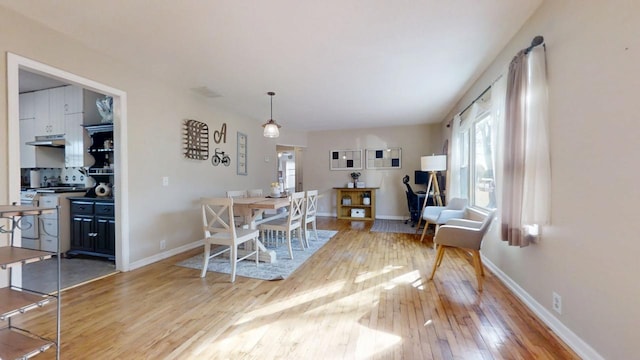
pixel 393 226
pixel 265 271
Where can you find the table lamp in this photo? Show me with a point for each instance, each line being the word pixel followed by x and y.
pixel 433 164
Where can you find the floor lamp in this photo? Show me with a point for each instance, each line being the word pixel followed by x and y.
pixel 433 164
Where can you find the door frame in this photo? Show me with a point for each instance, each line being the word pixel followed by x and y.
pixel 15 63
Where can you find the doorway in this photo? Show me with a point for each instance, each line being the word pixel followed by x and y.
pixel 16 64
pixel 289 170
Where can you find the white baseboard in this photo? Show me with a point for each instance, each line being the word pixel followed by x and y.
pixel 164 255
pixel 569 337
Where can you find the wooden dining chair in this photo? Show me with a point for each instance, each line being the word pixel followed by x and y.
pixel 254 193
pixel 289 224
pixel 238 194
pixel 311 206
pixel 219 229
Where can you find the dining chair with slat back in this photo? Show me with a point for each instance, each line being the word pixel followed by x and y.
pixel 254 193
pixel 219 229
pixel 238 194
pixel 291 223
pixel 311 206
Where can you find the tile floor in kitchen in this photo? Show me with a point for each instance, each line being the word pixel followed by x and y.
pixel 41 276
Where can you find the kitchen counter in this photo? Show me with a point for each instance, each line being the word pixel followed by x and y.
pixel 62 189
pixel 87 198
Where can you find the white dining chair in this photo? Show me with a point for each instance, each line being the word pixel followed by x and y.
pixel 289 224
pixel 238 194
pixel 254 193
pixel 219 229
pixel 311 206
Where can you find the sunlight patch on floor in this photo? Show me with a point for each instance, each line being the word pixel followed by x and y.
pixel 284 304
pixel 372 342
pixel 371 274
pixel 407 278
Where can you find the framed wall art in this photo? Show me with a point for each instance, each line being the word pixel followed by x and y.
pixel 345 159
pixel 242 154
pixel 390 158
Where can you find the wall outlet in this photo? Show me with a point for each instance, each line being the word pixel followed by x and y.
pixel 163 244
pixel 557 303
pixel 165 181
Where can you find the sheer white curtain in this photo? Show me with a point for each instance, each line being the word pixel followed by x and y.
pixel 458 128
pixel 524 182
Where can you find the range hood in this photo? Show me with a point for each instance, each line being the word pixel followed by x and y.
pixel 48 140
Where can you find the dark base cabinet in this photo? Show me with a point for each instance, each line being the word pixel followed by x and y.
pixel 93 227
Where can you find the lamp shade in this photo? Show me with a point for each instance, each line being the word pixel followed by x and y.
pixel 433 163
pixel 271 129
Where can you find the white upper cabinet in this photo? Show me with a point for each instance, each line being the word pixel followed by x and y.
pixel 27 104
pixel 74 141
pixel 56 110
pixel 73 100
pixel 49 112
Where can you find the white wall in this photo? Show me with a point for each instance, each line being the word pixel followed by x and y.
pixel 155 114
pixel 589 254
pixel 391 201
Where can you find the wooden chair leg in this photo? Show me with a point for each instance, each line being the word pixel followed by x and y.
pixel 440 254
pixel 205 261
pixel 478 267
pixel 302 238
pixel 437 260
pixel 481 265
pixel 233 257
pixel 424 231
pixel 315 229
pixel 289 244
pixel 418 226
pixel 255 246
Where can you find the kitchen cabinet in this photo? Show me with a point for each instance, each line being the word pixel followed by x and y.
pixel 93 227
pixel 37 156
pixel 55 230
pixel 351 203
pixel 49 111
pixel 17 342
pixel 74 154
pixel 27 105
pixel 102 149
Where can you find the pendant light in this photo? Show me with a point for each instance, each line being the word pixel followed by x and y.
pixel 271 127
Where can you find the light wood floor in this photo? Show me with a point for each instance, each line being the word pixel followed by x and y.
pixel 363 295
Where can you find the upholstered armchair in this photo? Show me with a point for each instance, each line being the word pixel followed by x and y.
pixel 439 215
pixel 463 234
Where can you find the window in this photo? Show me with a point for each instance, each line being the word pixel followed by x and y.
pixel 477 151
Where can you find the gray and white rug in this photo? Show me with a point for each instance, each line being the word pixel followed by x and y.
pixel 393 226
pixel 265 271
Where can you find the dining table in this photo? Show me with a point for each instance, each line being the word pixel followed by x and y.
pixel 252 208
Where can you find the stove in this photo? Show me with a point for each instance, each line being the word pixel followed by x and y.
pixel 29 224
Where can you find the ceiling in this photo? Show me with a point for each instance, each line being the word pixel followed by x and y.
pixel 333 64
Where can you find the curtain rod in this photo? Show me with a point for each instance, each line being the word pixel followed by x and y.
pixel 537 40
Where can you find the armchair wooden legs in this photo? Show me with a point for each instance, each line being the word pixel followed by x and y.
pixel 476 259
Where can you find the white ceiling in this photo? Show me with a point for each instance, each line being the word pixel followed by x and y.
pixel 333 64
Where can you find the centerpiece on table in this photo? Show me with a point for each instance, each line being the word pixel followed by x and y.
pixel 275 189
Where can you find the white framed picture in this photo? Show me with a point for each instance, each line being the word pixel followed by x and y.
pixel 242 154
pixel 345 159
pixel 389 158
